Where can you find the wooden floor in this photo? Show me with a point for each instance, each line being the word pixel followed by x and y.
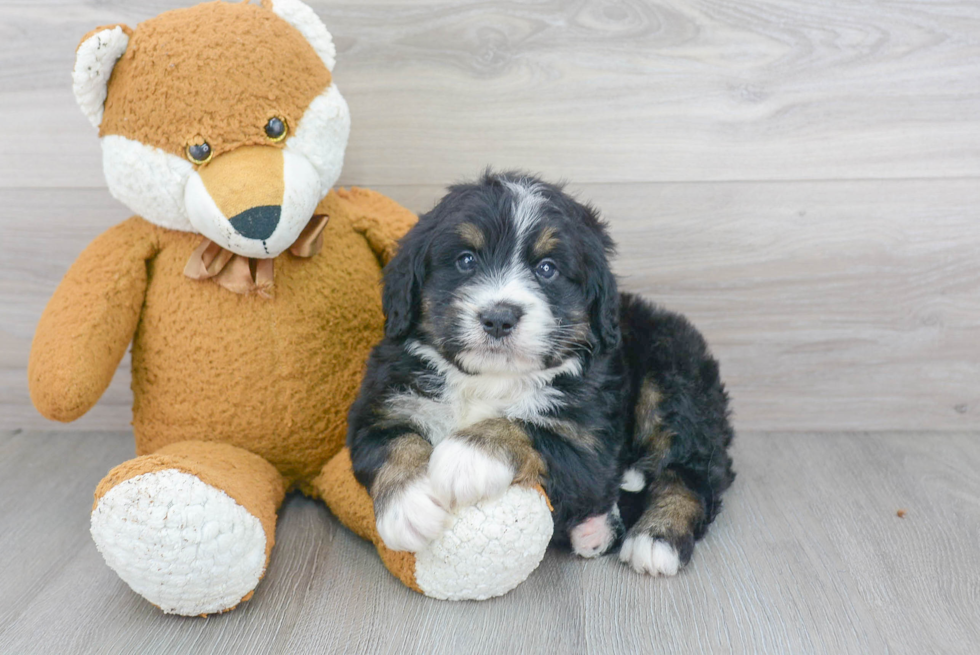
pixel 802 178
pixel 808 556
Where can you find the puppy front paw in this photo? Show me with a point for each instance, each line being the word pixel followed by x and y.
pixel 656 555
pixel 412 518
pixel 463 474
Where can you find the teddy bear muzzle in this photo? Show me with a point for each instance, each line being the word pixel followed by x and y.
pixel 254 200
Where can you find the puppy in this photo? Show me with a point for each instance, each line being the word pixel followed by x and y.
pixel 510 357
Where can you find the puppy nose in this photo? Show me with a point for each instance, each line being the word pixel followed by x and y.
pixel 500 320
pixel 257 222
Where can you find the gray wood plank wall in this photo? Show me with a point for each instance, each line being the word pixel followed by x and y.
pixel 800 177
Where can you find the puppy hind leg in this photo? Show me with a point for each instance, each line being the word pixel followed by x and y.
pixel 596 535
pixel 662 539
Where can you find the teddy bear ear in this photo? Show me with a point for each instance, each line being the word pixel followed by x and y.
pixel 309 25
pixel 95 58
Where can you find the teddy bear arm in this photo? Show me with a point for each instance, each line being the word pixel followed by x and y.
pixel 380 219
pixel 89 322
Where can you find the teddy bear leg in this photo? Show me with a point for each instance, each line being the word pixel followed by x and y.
pixel 191 526
pixel 486 550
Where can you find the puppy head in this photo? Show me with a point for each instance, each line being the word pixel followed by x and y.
pixel 508 274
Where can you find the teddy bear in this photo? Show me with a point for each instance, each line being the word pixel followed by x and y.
pixel 250 292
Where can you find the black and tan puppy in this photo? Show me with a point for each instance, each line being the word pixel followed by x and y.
pixel 510 356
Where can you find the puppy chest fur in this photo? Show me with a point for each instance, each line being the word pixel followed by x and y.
pixel 444 400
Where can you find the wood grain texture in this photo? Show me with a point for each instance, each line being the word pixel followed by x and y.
pixel 831 305
pixel 594 90
pixel 807 557
pixel 801 178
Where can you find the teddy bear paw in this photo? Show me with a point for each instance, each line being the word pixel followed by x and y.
pixel 488 549
pixel 183 545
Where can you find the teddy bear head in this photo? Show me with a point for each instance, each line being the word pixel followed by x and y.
pixel 220 119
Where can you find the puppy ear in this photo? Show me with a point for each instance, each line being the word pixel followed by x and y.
pixel 601 288
pixel 604 312
pixel 403 278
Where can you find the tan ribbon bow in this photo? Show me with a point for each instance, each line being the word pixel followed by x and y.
pixel 246 275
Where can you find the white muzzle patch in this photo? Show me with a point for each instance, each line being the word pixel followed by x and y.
pixel 524 348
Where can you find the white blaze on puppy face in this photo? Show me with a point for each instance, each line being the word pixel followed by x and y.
pixel 523 349
pixel 526 209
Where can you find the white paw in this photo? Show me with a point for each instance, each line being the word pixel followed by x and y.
pixel 633 481
pixel 648 555
pixel 183 545
pixel 413 518
pixel 593 536
pixel 463 475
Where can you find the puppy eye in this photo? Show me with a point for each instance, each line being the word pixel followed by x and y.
pixel 546 269
pixel 276 128
pixel 466 262
pixel 199 153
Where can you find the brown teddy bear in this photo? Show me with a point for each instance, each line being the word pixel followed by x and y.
pixel 250 293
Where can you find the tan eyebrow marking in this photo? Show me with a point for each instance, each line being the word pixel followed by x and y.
pixel 546 241
pixel 472 235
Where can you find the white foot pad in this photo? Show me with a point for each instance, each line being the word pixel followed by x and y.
pixel 183 545
pixel 648 555
pixel 488 549
pixel 592 537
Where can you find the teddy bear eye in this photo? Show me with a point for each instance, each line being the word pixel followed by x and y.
pixel 276 128
pixel 199 153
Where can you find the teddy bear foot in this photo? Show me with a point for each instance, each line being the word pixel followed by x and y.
pixel 486 550
pixel 183 545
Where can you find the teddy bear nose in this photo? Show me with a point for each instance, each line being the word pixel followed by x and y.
pixel 257 222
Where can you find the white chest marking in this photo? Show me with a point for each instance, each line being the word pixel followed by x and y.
pixel 463 400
